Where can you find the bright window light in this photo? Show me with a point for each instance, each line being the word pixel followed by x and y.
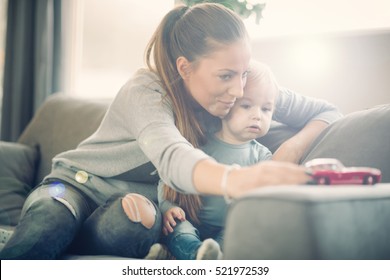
pixel 313 58
pixel 281 17
pixel 108 37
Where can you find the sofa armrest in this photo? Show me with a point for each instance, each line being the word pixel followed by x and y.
pixel 310 222
pixel 359 139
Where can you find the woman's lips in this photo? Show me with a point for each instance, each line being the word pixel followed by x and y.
pixel 227 103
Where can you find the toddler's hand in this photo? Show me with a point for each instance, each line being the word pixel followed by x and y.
pixel 169 219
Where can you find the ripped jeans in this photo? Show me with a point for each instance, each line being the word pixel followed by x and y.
pixel 186 239
pixel 57 219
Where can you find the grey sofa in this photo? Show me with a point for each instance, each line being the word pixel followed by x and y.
pixel 289 222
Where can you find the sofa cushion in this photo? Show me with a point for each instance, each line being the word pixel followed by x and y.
pixel 17 169
pixel 310 222
pixel 359 139
pixel 13 193
pixel 18 161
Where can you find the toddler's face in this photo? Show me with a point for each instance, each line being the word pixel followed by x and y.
pixel 251 115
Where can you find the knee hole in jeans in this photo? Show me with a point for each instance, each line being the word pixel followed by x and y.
pixel 139 209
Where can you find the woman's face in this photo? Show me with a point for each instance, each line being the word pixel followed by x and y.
pixel 215 81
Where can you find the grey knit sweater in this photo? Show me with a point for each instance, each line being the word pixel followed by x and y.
pixel 138 137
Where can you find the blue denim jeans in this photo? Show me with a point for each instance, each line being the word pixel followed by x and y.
pixel 185 240
pixel 57 218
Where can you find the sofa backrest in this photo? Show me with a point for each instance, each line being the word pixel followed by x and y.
pixel 361 138
pixel 61 124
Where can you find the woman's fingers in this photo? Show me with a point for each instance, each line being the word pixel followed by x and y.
pixel 273 172
pixel 266 173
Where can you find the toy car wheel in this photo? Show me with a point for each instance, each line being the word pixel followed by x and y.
pixel 369 180
pixel 323 181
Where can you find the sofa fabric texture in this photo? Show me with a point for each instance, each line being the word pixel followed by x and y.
pixel 59 125
pixel 299 222
pixel 359 139
pixel 17 171
pixel 310 222
pixel 18 161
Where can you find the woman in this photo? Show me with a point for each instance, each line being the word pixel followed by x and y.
pixel 197 61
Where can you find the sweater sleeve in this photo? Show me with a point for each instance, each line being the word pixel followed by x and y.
pixel 150 119
pixel 297 110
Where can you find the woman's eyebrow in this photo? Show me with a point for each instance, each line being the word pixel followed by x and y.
pixel 227 70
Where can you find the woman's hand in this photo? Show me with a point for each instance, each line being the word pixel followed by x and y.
pixel 293 149
pixel 169 219
pixel 266 173
pixel 289 151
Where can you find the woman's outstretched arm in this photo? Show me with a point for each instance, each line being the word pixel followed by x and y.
pixel 208 176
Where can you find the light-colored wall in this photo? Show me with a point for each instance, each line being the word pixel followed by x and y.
pixel 350 69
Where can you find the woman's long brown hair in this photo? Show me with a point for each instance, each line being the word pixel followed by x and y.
pixel 192 33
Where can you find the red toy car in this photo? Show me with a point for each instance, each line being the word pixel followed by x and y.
pixel 327 171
